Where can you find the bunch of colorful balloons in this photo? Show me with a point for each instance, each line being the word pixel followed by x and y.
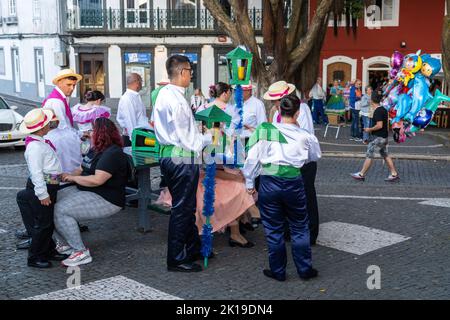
pixel 407 97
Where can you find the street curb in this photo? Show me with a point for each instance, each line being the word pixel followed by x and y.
pixel 395 156
pixel 23 102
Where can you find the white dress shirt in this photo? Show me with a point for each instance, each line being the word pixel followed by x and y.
pixel 41 159
pixel 301 147
pixel 174 121
pixel 254 113
pixel 305 120
pixel 66 138
pixel 317 93
pixel 197 101
pixel 68 148
pixel 59 110
pixel 131 113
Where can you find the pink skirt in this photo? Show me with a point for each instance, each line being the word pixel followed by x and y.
pixel 232 200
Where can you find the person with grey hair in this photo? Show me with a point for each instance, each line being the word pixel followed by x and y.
pixel 132 113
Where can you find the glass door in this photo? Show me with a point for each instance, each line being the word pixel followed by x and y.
pixel 93 72
pixel 142 64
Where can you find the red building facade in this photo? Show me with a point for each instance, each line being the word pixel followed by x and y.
pixel 403 25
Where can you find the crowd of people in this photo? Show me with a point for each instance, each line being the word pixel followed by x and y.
pixel 78 170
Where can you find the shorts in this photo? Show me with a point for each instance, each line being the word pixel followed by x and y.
pixel 381 144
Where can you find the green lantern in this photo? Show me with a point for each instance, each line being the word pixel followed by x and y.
pixel 239 66
pixel 213 115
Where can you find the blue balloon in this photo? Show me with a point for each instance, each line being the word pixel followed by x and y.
pixel 420 96
pixel 403 107
pixel 423 118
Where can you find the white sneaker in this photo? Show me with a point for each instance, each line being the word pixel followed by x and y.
pixel 62 249
pixel 78 258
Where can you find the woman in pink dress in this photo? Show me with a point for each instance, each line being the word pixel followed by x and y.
pixel 232 202
pixel 85 115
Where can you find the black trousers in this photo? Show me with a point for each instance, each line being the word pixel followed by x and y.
pixel 38 220
pixel 184 240
pixel 309 172
pixel 126 141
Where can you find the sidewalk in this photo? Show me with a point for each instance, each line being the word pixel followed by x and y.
pixel 433 144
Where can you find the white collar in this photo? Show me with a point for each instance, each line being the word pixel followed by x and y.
pixel 132 92
pixel 36 137
pixel 178 88
pixel 62 93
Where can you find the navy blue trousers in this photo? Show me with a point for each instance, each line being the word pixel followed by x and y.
pixel 184 240
pixel 282 200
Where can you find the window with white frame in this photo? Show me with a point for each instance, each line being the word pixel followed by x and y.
pixel 36 9
pixel 2 62
pixel 383 13
pixel 12 9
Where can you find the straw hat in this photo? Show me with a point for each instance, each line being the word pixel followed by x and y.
pixel 279 90
pixel 66 73
pixel 35 120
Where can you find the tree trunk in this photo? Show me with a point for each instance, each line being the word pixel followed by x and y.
pixel 310 68
pixel 296 50
pixel 446 45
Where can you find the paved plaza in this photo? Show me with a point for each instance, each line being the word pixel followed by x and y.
pixel 401 229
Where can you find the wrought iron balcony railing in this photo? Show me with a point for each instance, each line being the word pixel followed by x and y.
pixel 143 20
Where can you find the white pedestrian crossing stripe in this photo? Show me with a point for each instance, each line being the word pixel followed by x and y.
pixel 116 288
pixel 354 238
pixel 437 203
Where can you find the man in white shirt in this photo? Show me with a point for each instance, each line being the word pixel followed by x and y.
pixel 254 112
pixel 181 144
pixel 131 113
pixel 69 152
pixel 319 96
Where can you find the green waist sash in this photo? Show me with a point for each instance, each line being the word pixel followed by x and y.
pixel 175 152
pixel 281 171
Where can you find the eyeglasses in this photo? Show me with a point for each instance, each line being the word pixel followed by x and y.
pixel 190 70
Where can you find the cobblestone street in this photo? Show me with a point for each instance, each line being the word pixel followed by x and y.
pixel 408 221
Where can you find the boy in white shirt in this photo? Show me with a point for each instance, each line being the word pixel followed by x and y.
pixel 37 201
pixel 277 153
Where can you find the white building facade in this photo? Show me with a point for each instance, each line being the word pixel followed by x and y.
pixel 110 38
pixel 31 47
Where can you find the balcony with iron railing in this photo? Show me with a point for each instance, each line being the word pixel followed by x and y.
pixel 155 21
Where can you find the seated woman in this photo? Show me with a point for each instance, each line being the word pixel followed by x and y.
pixel 99 191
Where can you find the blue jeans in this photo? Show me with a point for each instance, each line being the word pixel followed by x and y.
pixel 319 112
pixel 355 130
pixel 366 124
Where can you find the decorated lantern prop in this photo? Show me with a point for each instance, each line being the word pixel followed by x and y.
pixel 239 66
pixel 213 115
pixel 210 117
pixel 240 69
pixel 145 147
